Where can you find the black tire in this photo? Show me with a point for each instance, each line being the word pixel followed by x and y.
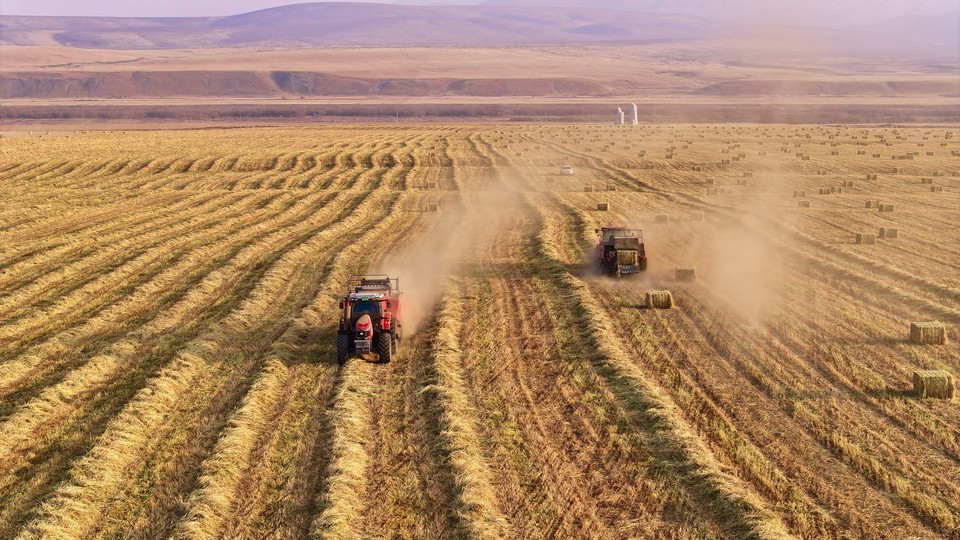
pixel 385 347
pixel 343 348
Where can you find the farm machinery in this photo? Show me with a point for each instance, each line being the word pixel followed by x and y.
pixel 620 251
pixel 370 318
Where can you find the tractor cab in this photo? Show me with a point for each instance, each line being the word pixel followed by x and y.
pixel 370 317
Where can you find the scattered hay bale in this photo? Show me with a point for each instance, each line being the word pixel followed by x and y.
pixel 934 189
pixel 712 191
pixel 432 207
pixel 611 187
pixel 886 207
pixel 603 207
pixel 588 189
pixel 835 153
pixel 889 232
pixel 686 273
pixel 662 218
pixel 696 216
pixel 825 191
pixel 926 180
pixel 803 204
pixel 871 204
pixel 697 168
pixel 863 238
pixel 800 193
pixel 848 183
pixel 936 384
pixel 431 185
pixel 928 333
pixel 741 181
pixel 659 300
pixel 710 181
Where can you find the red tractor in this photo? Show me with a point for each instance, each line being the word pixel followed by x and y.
pixel 370 322
pixel 620 251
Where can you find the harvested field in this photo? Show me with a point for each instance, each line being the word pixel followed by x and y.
pixel 168 308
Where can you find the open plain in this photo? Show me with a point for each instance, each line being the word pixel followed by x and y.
pixel 168 308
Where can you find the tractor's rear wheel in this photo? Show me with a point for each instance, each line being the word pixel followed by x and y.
pixel 385 347
pixel 343 348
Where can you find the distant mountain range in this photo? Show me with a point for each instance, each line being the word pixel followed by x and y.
pixel 493 23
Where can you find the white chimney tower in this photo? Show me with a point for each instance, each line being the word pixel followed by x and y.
pixel 636 117
pixel 620 116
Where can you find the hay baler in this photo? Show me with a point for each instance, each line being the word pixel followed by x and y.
pixel 370 318
pixel 620 251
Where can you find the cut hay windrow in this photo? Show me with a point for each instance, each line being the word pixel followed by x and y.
pixel 928 333
pixel 936 384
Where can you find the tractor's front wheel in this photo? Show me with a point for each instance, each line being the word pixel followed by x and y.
pixel 343 348
pixel 384 346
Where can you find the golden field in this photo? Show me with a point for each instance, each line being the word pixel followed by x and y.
pixel 168 307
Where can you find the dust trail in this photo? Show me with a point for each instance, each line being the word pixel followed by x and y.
pixel 446 246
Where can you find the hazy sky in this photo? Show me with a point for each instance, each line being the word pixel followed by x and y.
pixel 140 8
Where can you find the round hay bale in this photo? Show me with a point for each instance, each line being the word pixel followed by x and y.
pixel 603 207
pixel 686 273
pixel 937 384
pixel 928 333
pixel 659 300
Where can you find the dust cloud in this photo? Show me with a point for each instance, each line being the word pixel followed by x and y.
pixel 445 246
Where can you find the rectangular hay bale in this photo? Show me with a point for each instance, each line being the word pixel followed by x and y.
pixel 659 300
pixel 662 218
pixel 686 273
pixel 696 216
pixel 603 207
pixel 803 204
pixel 863 238
pixel 889 232
pixel 886 207
pixel 936 384
pixel 928 333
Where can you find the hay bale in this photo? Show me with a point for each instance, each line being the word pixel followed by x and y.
pixel 696 216
pixel 866 239
pixel 588 189
pixel 803 204
pixel 686 273
pixel 926 180
pixel 928 333
pixel 800 193
pixel 848 183
pixel 934 189
pixel 712 191
pixel 741 181
pixel 431 185
pixel 603 207
pixel 889 232
pixel 825 191
pixel 611 187
pixel 662 218
pixel 697 168
pixel 659 300
pixel 710 181
pixel 432 207
pixel 886 207
pixel 936 384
